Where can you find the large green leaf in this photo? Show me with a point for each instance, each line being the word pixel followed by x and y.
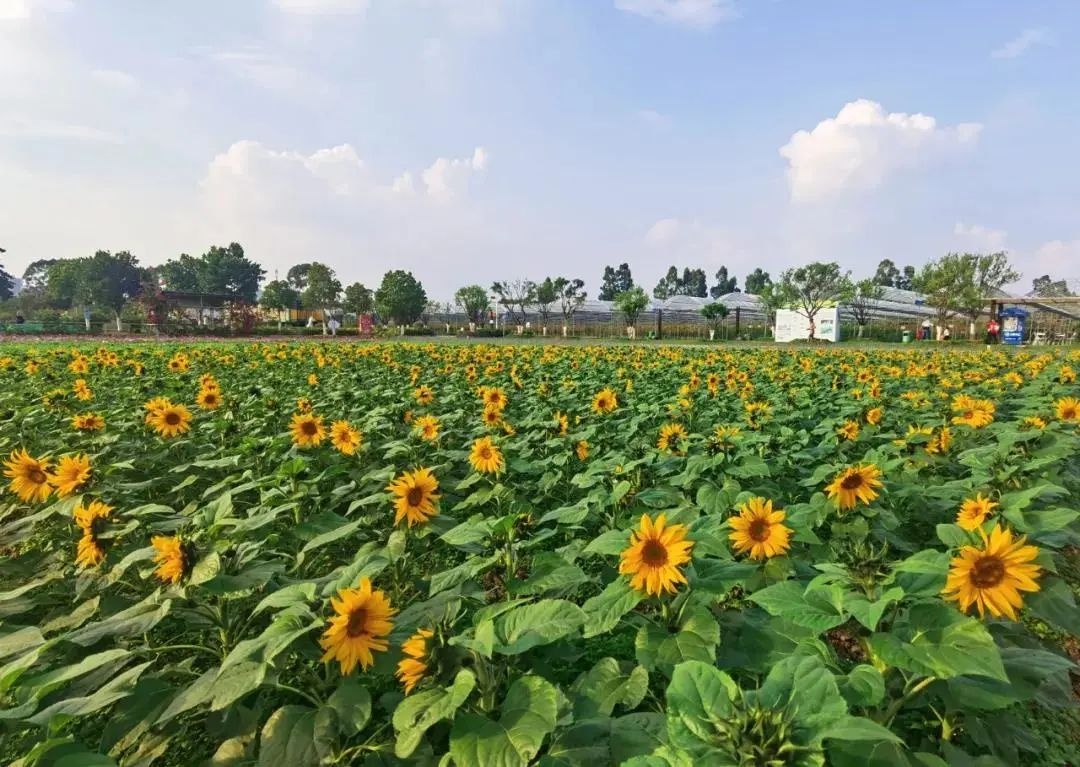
pixel 532 625
pixel 418 712
pixel 607 685
pixel 288 738
pixel 696 639
pixel 527 716
pixel 698 696
pixel 800 606
pixel 603 612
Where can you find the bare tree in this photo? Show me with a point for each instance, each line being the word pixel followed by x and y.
pixel 861 299
pixel 519 293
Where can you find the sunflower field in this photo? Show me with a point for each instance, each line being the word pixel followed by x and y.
pixel 506 555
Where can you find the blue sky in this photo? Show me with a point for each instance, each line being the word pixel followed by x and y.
pixel 472 140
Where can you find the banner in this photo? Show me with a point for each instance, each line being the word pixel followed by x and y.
pixel 793 326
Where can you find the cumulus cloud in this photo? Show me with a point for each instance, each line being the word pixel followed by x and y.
pixel 863 145
pixel 696 243
pixel 18 10
pixel 981 238
pixel 1058 258
pixel 697 14
pixel 1022 43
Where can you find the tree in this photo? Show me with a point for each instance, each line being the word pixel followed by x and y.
pixel 571 296
pixel 358 299
pixel 61 282
pixel 1040 286
pixel 771 298
pixel 7 284
pixel 668 285
pixel 694 283
pixel 725 284
pixel 297 276
pixel 400 297
pixel 990 272
pixel 546 294
pixel 906 281
pixel 108 280
pixel 180 274
pixel 945 282
pixel 887 274
pixel 812 287
pixel 615 281
pixel 756 281
pixel 513 293
pixel 631 303
pixel 322 291
pixel 228 270
pixel 714 314
pixel 861 300
pixel 36 276
pixel 279 296
pixel 474 300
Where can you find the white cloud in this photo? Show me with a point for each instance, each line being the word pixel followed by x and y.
pixel 18 10
pixel 114 78
pixel 1020 45
pixel 26 127
pixel 445 177
pixel 979 237
pixel 269 72
pixel 318 7
pixel 863 145
pixel 698 244
pixel 698 14
pixel 1059 259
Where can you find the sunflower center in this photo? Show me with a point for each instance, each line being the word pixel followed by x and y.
pixel 987 572
pixel 654 554
pixel 968 414
pixel 309 428
pixel 37 476
pixel 1068 413
pixel 172 418
pixel 602 403
pixel 759 530
pixel 415 496
pixel 852 482
pixel 357 625
pixel 485 453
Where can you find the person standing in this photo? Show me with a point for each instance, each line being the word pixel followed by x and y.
pixel 926 330
pixel 993 330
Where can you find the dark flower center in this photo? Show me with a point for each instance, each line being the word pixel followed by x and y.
pixel 415 496
pixel 654 554
pixel 172 418
pixel 1068 413
pixel 309 428
pixel 485 453
pixel 968 414
pixel 759 530
pixel 852 482
pixel 357 625
pixel 37 476
pixel 987 572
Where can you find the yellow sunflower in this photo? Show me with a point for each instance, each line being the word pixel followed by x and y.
pixel 562 423
pixel 848 431
pixel 415 497
pixel 493 396
pixel 486 457
pixel 423 395
pixel 82 390
pixel 655 553
pixel 29 476
pixel 854 484
pixel 673 438
pixel 86 516
pixel 581 450
pixel 492 416
pixel 307 430
pixel 171 421
pixel 360 625
pixel 90 552
pixel 723 437
pixel 759 529
pixel 605 401
pixel 171 559
pixel 208 399
pixel 974 511
pixel 345 437
pixel 975 413
pixel 1067 409
pixel 412 668
pixel 1033 422
pixel 154 406
pixel 312 379
pixel 427 427
pixel 992 577
pixel 71 473
pixel 941 441
pixel 87 422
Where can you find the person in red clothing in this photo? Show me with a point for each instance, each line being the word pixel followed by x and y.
pixel 993 330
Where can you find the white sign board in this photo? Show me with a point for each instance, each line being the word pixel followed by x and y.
pixel 792 326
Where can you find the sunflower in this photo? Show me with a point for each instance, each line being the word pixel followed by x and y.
pixel 605 401
pixel 87 422
pixel 87 516
pixel 416 496
pixel 723 437
pixel 853 484
pixel 492 416
pixel 849 431
pixel 922 433
pixel 303 405
pixel 486 457
pixel 345 437
pixel 759 529
pixel 493 396
pixel 154 406
pixel 1067 409
pixel 312 379
pixel 581 450
pixel 992 577
pixel 673 438
pixel 562 423
pixel 29 476
pixel 178 363
pixel 79 365
pixel 941 441
pixel 307 430
pixel 654 555
pixel 427 427
pixel 82 391
pixel 71 473
pixel 974 511
pixel 361 624
pixel 411 669
pixel 1033 422
pixel 423 395
pixel 171 558
pixel 208 398
pixel 975 413
pixel 172 421
pixel 90 552
pixel 207 381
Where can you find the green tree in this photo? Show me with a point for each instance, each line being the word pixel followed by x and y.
pixel 947 283
pixel 513 293
pixel 473 300
pixel 1040 286
pixel 297 276
pixel 104 280
pixel 279 296
pixel 228 270
pixel 180 274
pixel 668 285
pixel 714 314
pixel 771 298
pixel 906 280
pixel 811 288
pixel 887 274
pixel 756 281
pixel 359 299
pixel 725 284
pixel 322 291
pixel 631 304
pixel 7 284
pixel 861 300
pixel 36 276
pixel 546 294
pixel 615 281
pixel 571 296
pixel 400 297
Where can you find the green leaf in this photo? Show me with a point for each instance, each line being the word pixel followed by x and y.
pixel 790 600
pixel 869 613
pixel 863 686
pixel 527 717
pixel 543 622
pixel 696 639
pixel 1055 604
pixel 352 703
pixel 342 531
pixel 859 728
pixel 418 712
pixel 607 685
pixel 603 612
pixel 660 497
pixel 115 689
pixel 698 695
pixel 135 620
pixel 288 738
pixel 613 542
pixel 205 569
pixel 805 680
pixel 962 648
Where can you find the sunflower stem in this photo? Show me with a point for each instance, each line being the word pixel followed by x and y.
pixel 910 692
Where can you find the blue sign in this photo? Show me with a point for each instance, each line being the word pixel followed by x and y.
pixel 1013 320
